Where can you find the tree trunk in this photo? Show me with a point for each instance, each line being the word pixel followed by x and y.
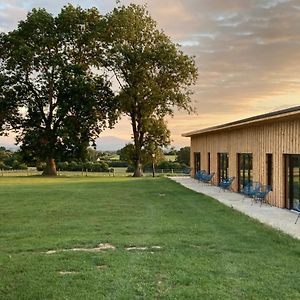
pixel 138 169
pixel 50 169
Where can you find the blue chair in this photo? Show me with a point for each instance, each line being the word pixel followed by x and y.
pixel 225 184
pixel 203 176
pixel 199 174
pixel 187 171
pixel 262 194
pixel 298 212
pixel 251 189
pixel 207 178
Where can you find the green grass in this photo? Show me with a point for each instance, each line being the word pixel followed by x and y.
pixel 209 251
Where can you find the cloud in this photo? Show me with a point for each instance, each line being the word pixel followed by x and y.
pixel 247 52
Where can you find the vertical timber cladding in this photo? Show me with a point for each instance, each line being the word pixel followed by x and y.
pixel 278 137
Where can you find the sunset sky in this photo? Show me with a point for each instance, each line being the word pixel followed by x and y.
pixel 247 52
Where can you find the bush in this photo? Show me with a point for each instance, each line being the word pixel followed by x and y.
pixel 62 166
pixel 87 166
pixel 17 165
pixel 117 164
pixel 22 167
pixel 169 165
pixel 3 166
pixel 130 169
pixel 40 166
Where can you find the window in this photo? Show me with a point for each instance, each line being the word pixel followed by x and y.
pixel 223 164
pixel 270 170
pixel 244 169
pixel 293 181
pixel 197 161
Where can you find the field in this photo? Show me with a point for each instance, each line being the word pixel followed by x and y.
pixel 188 246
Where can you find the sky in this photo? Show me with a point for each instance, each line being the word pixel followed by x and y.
pixel 247 53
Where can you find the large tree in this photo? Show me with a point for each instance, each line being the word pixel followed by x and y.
pixel 50 93
pixel 154 75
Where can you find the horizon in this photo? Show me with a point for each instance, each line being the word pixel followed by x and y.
pixel 245 56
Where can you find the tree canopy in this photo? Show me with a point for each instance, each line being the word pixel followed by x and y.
pixel 54 94
pixel 183 155
pixel 49 94
pixel 154 75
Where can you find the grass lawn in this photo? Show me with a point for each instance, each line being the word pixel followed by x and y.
pixel 208 251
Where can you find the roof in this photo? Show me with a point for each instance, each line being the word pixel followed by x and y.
pixel 292 111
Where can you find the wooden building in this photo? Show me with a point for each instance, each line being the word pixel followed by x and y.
pixel 264 148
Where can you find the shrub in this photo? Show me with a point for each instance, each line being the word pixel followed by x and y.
pixel 169 165
pixel 117 164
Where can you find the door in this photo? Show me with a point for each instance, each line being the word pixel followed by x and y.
pixel 293 181
pixel 223 164
pixel 197 162
pixel 244 169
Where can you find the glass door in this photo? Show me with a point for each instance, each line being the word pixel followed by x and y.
pixel 244 169
pixel 223 164
pixel 293 181
pixel 197 162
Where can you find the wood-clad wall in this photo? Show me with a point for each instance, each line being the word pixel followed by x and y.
pixel 277 138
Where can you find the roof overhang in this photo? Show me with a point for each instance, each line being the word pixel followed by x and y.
pixel 289 113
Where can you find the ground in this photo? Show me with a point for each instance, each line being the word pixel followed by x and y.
pixel 185 245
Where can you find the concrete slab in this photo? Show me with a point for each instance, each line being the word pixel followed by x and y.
pixel 278 218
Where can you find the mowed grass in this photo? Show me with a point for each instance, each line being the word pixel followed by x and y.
pixel 208 251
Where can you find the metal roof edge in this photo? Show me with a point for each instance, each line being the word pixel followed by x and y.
pixel 255 119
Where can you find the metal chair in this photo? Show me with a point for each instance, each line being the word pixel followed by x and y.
pixel 207 178
pixel 298 212
pixel 251 189
pixel 225 184
pixel 262 194
pixel 200 175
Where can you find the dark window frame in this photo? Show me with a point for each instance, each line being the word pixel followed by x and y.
pixel 197 161
pixel 223 165
pixel 245 168
pixel 269 162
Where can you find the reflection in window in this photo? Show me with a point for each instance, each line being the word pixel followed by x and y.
pixel 245 169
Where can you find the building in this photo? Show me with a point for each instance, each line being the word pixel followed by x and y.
pixel 264 148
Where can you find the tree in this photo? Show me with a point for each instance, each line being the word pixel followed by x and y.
pixel 183 155
pixel 153 74
pixel 171 151
pixel 148 156
pixel 48 92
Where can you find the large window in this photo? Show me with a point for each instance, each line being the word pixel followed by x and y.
pixel 293 181
pixel 270 170
pixel 197 161
pixel 223 164
pixel 244 169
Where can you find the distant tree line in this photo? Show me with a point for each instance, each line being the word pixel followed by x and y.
pixel 97 161
pixel 158 157
pixel 10 160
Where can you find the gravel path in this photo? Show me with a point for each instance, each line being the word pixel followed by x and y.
pixel 278 218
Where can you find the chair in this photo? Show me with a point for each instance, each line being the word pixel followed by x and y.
pixel 251 189
pixel 187 171
pixel 203 176
pixel 207 178
pixel 298 212
pixel 262 194
pixel 200 174
pixel 225 184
